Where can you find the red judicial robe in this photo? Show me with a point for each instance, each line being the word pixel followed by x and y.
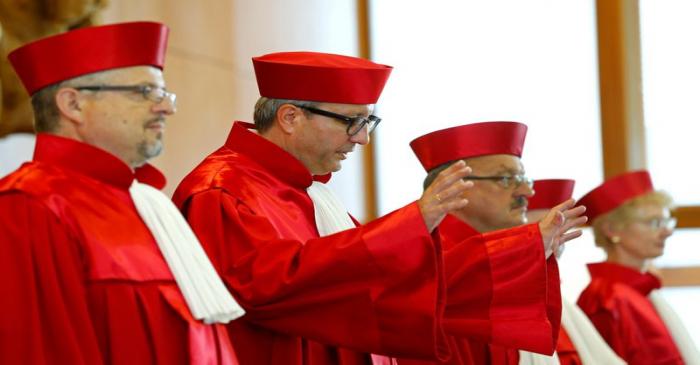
pixel 617 304
pixel 82 278
pixel 318 300
pixel 566 351
pixel 524 305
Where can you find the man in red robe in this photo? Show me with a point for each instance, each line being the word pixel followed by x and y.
pixel 89 274
pixel 317 289
pixel 522 272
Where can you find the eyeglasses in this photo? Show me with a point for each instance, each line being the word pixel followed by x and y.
pixel 512 181
pixel 355 124
pixel 152 93
pixel 656 224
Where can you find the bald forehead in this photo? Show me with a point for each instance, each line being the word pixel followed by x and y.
pixel 496 164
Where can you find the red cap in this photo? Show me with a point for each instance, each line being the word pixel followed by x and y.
pixel 615 192
pixel 471 140
pixel 550 192
pixel 320 77
pixel 86 50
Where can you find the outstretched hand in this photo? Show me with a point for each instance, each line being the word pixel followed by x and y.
pixel 445 194
pixel 555 226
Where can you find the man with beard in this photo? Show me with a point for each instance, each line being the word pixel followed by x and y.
pixel 97 265
pixel 524 270
pixel 318 289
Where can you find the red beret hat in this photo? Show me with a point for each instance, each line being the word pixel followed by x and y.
pixel 471 140
pixel 320 77
pixel 86 50
pixel 615 192
pixel 550 192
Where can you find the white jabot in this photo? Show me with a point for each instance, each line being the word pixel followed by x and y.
pixel 330 213
pixel 531 358
pixel 204 292
pixel 680 335
pixel 589 344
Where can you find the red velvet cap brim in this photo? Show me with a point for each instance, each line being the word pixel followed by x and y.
pixel 320 77
pixel 615 192
pixel 471 140
pixel 86 50
pixel 550 193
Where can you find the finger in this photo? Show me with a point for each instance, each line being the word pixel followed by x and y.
pixel 455 190
pixel 577 222
pixel 574 212
pixel 454 204
pixel 455 172
pixel 570 236
pixel 565 205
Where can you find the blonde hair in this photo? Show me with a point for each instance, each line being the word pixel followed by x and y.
pixel 625 213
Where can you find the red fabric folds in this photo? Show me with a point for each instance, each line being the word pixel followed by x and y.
pixel 84 282
pixel 502 294
pixel 566 350
pixel 309 300
pixel 617 304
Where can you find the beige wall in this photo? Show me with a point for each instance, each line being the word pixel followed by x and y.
pixel 199 68
pixel 208 66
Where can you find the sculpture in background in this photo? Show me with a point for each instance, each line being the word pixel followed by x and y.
pixel 24 21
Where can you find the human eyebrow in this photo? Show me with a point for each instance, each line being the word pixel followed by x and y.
pixel 505 170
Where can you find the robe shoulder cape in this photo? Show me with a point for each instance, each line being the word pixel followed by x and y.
pixel 83 280
pixel 616 302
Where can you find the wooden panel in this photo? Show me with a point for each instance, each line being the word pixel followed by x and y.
pixel 368 151
pixel 687 216
pixel 680 276
pixel 622 116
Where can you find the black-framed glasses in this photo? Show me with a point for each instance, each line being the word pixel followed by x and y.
pixel 355 124
pixel 506 181
pixel 149 92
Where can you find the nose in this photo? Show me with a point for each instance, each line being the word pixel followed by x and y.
pixel 666 231
pixel 167 106
pixel 525 189
pixel 361 137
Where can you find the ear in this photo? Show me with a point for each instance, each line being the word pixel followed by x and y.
pixel 70 104
pixel 288 118
pixel 609 229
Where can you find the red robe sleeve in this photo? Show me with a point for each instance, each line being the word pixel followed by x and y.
pixel 44 317
pixel 376 288
pixel 501 290
pixel 566 350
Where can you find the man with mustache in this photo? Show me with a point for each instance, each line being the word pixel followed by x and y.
pixel 523 270
pixel 318 289
pixel 97 265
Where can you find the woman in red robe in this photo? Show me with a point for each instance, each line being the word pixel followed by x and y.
pixel 631 222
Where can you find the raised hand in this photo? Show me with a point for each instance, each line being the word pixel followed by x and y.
pixel 445 194
pixel 555 226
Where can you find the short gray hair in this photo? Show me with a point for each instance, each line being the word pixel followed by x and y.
pixel 46 114
pixel 266 110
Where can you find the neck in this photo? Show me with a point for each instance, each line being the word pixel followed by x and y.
pixel 471 222
pixel 283 141
pixel 73 133
pixel 627 260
